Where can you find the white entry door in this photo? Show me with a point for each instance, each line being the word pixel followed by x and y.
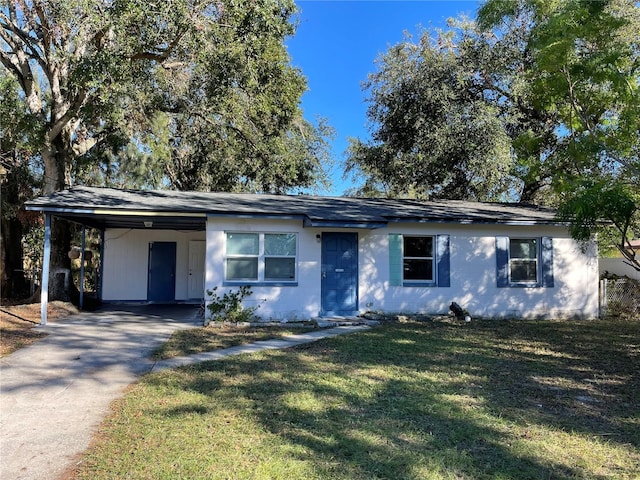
pixel 197 250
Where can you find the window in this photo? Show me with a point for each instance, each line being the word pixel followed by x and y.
pixel 242 256
pixel 418 259
pixel 261 257
pixel 280 256
pixel 524 262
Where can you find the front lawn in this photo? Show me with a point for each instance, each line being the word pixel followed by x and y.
pixel 411 400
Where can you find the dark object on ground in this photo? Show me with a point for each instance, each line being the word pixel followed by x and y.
pixel 457 310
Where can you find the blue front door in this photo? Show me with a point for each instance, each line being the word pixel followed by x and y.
pixel 162 272
pixel 339 285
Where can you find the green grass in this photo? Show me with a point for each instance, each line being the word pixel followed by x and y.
pixel 207 339
pixel 412 400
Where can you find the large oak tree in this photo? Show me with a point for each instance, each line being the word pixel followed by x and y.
pixel 451 117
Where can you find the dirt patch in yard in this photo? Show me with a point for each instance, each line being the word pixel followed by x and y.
pixel 17 323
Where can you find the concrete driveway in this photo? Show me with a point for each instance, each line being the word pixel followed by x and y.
pixel 55 393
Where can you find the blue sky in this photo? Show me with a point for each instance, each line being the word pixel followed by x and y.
pixel 335 46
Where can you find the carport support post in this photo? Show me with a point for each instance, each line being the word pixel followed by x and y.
pixel 100 265
pixel 82 268
pixel 44 283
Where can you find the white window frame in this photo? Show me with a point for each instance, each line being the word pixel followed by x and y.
pixel 536 261
pixel 432 258
pixel 261 259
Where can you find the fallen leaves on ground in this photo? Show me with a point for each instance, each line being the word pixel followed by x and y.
pixel 17 323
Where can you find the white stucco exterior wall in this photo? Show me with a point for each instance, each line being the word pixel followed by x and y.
pixel 473 275
pixel 278 302
pixel 126 262
pixel 472 265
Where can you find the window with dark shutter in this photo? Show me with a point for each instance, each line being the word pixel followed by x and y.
pixel 524 262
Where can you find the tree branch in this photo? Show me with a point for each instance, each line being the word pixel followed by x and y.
pixel 8 62
pixel 45 28
pixel 163 54
pixel 591 129
pixel 29 42
pixel 18 64
pixel 81 147
pixel 58 124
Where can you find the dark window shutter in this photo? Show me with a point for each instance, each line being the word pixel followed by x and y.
pixel 502 261
pixel 547 261
pixel 443 259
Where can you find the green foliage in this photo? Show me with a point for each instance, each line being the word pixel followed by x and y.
pixel 584 72
pixel 452 116
pixel 19 143
pixel 433 133
pixel 121 162
pixel 237 124
pixel 33 239
pixel 228 307
pixel 608 207
pixel 192 95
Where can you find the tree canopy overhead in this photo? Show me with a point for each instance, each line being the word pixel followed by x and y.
pixel 432 133
pixel 202 88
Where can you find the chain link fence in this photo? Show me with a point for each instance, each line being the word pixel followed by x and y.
pixel 620 297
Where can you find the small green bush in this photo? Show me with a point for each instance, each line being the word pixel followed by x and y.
pixel 228 307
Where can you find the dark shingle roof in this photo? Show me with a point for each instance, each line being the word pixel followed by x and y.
pixel 104 205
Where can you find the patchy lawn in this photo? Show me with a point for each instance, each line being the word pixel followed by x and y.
pixel 207 339
pixel 411 400
pixel 17 323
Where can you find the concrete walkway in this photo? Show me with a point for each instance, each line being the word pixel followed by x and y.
pixel 55 393
pixel 283 342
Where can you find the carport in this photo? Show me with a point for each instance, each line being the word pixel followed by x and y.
pixel 104 209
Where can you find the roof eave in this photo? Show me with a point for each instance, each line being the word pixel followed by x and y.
pixel 480 221
pixel 367 225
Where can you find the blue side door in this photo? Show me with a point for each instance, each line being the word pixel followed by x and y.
pixel 339 286
pixel 162 272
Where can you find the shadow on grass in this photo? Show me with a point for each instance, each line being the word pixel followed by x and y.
pixel 18 317
pixel 14 339
pixel 420 399
pixel 583 378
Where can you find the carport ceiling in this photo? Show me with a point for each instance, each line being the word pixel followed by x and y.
pixel 150 221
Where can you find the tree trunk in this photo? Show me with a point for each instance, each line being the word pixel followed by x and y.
pixel 60 281
pixel 57 159
pixel 530 191
pixel 12 274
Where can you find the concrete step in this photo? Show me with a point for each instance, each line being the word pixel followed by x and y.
pixel 327 322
